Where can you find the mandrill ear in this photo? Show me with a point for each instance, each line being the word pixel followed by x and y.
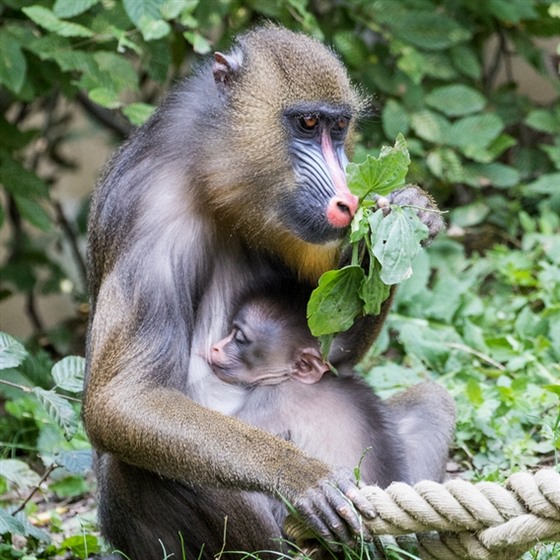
pixel 309 367
pixel 225 69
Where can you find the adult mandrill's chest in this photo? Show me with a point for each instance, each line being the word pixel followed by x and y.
pixel 233 273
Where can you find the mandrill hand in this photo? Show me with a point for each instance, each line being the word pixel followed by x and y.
pixel 411 195
pixel 333 508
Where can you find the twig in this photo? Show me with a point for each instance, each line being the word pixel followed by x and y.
pixel 476 353
pixel 71 237
pixel 35 490
pixel 104 116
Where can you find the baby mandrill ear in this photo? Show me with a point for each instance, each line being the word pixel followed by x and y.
pixel 309 367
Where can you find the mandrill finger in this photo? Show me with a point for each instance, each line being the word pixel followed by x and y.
pixel 348 510
pixel 360 502
pixel 383 203
pixel 312 514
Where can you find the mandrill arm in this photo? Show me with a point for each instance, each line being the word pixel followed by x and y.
pixel 130 414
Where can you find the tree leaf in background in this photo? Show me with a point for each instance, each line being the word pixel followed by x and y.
pixel 59 410
pixel 430 126
pixel 456 100
pixel 12 352
pixel 13 66
pixel 48 20
pixel 394 119
pixel 68 374
pixel 71 8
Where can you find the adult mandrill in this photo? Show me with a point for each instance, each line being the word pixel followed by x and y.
pixel 237 178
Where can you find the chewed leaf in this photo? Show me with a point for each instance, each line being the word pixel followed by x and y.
pixel 335 303
pixel 380 175
pixel 395 242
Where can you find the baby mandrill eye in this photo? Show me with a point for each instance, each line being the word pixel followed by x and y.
pixel 240 337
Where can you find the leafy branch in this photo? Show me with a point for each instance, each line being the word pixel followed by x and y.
pixel 384 238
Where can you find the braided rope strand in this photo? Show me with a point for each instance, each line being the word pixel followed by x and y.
pixel 458 520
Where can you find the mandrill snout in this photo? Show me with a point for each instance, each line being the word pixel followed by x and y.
pixel 341 210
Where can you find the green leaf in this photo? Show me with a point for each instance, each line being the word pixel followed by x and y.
pixel 76 461
pixel 171 9
pixel 137 9
pixel 48 20
pixel 444 163
pixel 395 119
pixel 456 100
pixel 200 44
pixel 335 303
pixel 553 152
pixel 153 29
pixel 81 546
pixel 374 291
pixel 476 132
pixel 396 241
pixel 351 47
pixel 71 8
pixel 500 145
pixel 138 113
pixel 546 184
pixel 429 30
pixel 122 75
pixel 430 126
pixel 10 524
pixel 105 97
pixel 69 487
pixel 12 352
pixel 543 120
pixel 18 474
pixel 359 228
pixel 68 374
pixel 32 212
pixel 466 61
pixel 59 410
pixel 380 175
pixel 19 525
pixel 512 11
pixel 13 65
pixel 495 174
pixel 413 64
pixel 469 215
pixel 18 181
pixel 426 344
pixel 147 16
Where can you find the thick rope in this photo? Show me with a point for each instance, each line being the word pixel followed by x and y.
pixel 459 520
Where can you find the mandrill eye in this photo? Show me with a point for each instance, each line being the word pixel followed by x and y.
pixel 342 123
pixel 340 128
pixel 309 122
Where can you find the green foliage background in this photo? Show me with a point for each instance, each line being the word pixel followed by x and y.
pixel 481 312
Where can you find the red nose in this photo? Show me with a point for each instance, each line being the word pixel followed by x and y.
pixel 341 210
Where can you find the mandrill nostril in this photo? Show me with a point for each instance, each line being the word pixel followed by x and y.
pixel 344 208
